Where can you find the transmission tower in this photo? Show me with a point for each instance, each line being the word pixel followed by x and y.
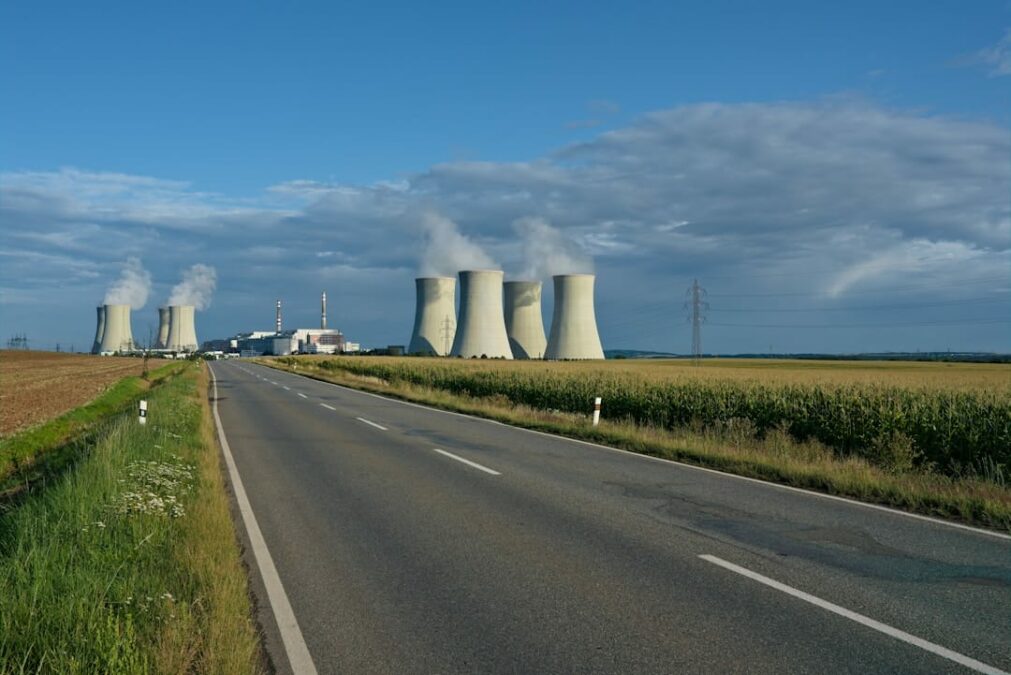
pixel 696 308
pixel 447 336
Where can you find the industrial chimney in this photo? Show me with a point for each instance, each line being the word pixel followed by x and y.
pixel 574 324
pixel 278 320
pixel 182 331
pixel 523 321
pixel 164 319
pixel 322 319
pixel 96 347
pixel 117 336
pixel 481 328
pixel 434 316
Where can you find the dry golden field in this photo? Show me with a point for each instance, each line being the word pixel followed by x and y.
pixel 38 386
pixel 905 374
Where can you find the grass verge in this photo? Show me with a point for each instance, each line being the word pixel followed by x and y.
pixel 23 457
pixel 776 457
pixel 129 562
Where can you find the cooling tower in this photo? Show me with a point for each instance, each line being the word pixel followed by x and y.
pixel 523 321
pixel 163 327
pixel 96 347
pixel 573 324
pixel 182 333
pixel 481 328
pixel 434 316
pixel 117 336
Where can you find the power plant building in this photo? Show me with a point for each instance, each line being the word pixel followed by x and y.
pixel 480 330
pixel 574 323
pixel 182 335
pixel 434 316
pixel 96 346
pixel 117 336
pixel 163 328
pixel 523 320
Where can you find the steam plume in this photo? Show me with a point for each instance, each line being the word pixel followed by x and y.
pixel 132 287
pixel 447 251
pixel 546 251
pixel 196 288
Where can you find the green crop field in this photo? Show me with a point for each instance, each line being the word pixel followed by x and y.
pixel 952 418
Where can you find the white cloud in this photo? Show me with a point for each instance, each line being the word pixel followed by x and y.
pixel 837 196
pixel 997 57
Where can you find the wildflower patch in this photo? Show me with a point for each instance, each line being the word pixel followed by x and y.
pixel 155 488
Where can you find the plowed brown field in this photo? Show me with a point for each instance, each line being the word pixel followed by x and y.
pixel 38 386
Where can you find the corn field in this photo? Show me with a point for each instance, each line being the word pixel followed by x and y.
pixel 953 431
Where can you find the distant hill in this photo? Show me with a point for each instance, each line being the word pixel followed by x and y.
pixel 964 357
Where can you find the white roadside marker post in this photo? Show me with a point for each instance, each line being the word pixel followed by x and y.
pixel 596 411
pixel 143 412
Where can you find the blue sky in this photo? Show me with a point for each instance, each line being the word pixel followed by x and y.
pixel 837 176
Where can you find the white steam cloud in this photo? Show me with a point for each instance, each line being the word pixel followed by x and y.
pixel 546 251
pixel 132 287
pixel 196 288
pixel 447 251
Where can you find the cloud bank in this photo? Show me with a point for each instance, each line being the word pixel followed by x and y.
pixel 833 203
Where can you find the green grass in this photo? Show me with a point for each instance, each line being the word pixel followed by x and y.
pixel 129 562
pixel 731 445
pixel 23 456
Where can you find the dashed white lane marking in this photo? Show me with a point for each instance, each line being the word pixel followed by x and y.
pixel 664 460
pixel 286 387
pixel 943 652
pixel 302 395
pixel 467 462
pixel 291 635
pixel 328 407
pixel 373 424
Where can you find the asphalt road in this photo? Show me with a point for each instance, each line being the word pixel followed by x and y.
pixel 545 555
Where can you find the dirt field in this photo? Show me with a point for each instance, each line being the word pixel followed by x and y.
pixel 38 386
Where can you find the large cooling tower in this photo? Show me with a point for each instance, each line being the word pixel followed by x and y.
pixel 117 336
pixel 523 321
pixel 96 346
pixel 481 328
pixel 164 319
pixel 434 316
pixel 574 324
pixel 182 335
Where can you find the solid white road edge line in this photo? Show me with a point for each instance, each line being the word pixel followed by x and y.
pixel 372 424
pixel 778 486
pixel 467 462
pixel 302 395
pixel 291 635
pixel 328 407
pixel 943 652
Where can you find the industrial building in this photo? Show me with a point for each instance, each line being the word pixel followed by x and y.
pixel 481 330
pixel 574 323
pixel 504 320
pixel 114 334
pixel 523 320
pixel 434 316
pixel 280 342
pixel 117 335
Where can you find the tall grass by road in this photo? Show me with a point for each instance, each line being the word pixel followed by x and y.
pixel 129 563
pixel 933 449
